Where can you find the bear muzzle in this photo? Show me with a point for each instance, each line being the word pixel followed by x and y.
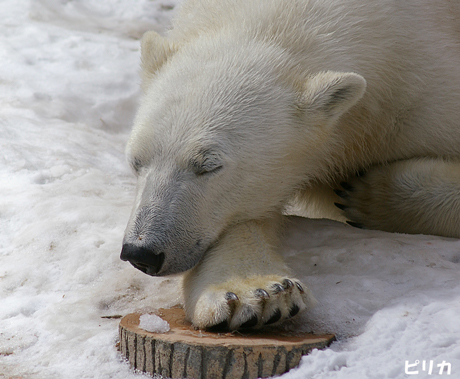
pixel 143 259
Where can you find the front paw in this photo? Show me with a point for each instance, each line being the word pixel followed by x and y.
pixel 349 204
pixel 249 303
pixel 370 201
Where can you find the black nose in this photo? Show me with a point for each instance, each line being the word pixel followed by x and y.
pixel 143 259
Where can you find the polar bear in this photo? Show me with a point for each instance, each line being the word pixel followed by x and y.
pixel 252 107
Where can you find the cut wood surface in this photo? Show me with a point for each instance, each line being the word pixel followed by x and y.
pixel 184 352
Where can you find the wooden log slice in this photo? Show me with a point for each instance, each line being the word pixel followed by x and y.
pixel 184 352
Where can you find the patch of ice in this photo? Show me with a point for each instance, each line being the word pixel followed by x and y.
pixel 153 323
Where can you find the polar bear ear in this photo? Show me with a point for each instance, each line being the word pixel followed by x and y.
pixel 155 51
pixel 330 94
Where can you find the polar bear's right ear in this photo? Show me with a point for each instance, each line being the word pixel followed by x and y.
pixel 155 51
pixel 328 95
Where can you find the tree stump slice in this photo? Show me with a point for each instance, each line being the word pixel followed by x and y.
pixel 184 352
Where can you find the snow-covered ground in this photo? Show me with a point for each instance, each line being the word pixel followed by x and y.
pixel 68 92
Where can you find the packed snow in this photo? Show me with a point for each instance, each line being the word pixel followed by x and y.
pixel 69 88
pixel 153 323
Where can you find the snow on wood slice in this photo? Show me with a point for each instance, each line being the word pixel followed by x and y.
pixel 184 352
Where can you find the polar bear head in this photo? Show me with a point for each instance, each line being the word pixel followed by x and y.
pixel 224 134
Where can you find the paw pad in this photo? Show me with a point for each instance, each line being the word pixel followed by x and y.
pixel 274 318
pixel 250 323
pixel 294 310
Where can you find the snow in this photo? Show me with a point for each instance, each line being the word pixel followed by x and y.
pixel 153 323
pixel 69 90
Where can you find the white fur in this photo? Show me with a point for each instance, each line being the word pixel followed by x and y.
pixel 252 105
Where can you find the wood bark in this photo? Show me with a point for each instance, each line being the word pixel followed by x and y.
pixel 184 352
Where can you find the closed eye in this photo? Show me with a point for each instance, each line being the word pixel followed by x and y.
pixel 206 170
pixel 206 162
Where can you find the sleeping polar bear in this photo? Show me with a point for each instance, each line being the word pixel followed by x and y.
pixel 253 106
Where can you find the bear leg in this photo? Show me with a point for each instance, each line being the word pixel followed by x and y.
pixel 242 282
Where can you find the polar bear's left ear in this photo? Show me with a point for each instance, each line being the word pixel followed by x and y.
pixel 155 51
pixel 330 94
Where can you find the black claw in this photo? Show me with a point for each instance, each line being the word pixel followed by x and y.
pixel 251 322
pixel 355 224
pixel 341 206
pixel 287 284
pixel 299 287
pixel 262 294
pixel 277 288
pixel 294 310
pixel 219 328
pixel 231 297
pixel 346 186
pixel 341 194
pixel 275 317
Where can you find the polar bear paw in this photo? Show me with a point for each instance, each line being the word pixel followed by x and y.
pixel 376 199
pixel 250 303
